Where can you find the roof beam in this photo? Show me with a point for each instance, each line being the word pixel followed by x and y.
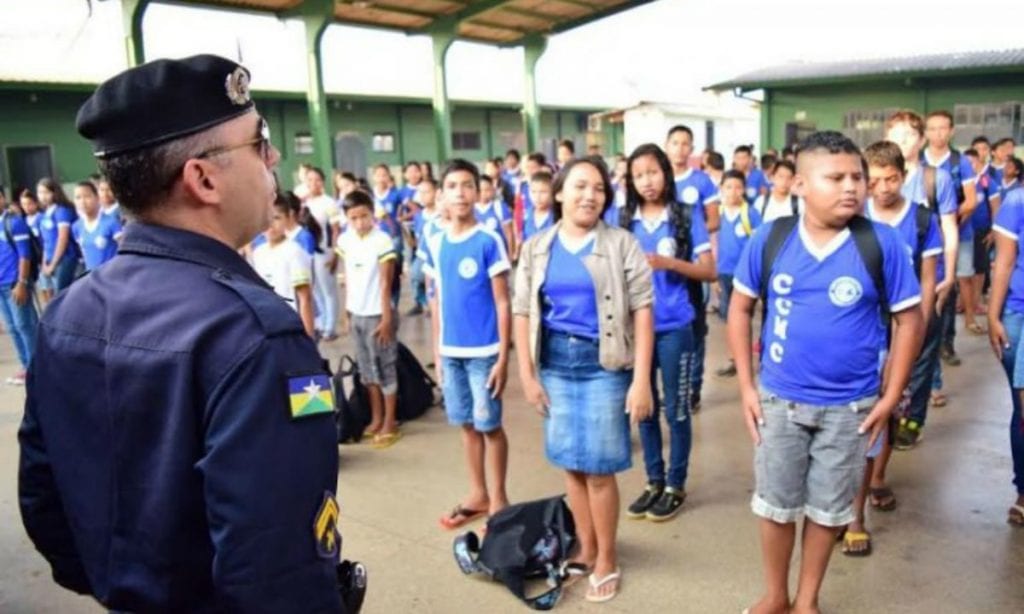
pixel 608 12
pixel 477 8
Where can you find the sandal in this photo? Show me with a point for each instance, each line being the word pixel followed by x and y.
pixel 386 440
pixel 939 399
pixel 460 517
pixel 1016 515
pixel 596 584
pixel 857 543
pixel 882 499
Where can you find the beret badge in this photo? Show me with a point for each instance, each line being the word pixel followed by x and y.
pixel 237 86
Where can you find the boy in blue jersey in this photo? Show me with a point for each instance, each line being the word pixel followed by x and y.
pixel 818 410
pixel 471 325
pixel 541 216
pixel 493 213
pixel 426 198
pixel 693 187
pixel 19 312
pixel 739 221
pixel 743 161
pixel 919 229
pixel 987 188
pixel 96 234
pixel 1002 151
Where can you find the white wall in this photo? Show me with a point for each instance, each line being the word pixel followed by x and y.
pixel 650 124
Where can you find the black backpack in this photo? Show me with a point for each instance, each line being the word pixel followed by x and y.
pixel 35 249
pixel 794 204
pixel 954 173
pixel 523 542
pixel 415 386
pixel 351 410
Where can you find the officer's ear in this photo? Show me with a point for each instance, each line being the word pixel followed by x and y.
pixel 200 180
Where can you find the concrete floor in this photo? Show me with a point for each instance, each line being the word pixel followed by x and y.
pixel 946 549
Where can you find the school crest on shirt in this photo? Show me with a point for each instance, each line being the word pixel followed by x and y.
pixel 751 192
pixel 492 223
pixel 845 291
pixel 468 268
pixel 667 247
pixel 690 195
pixel 100 242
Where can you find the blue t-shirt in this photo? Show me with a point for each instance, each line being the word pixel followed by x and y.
pixel 1010 222
pixel 905 224
pixel 987 186
pixel 305 239
pixel 388 202
pixel 913 190
pixel 672 307
pixel 407 193
pixel 53 219
pixel 531 227
pixel 33 222
pixel 10 253
pixel 964 171
pixel 568 294
pixel 733 236
pixel 755 181
pixel 1006 188
pixel 611 214
pixel 98 243
pixel 823 338
pixel 695 189
pixel 524 191
pixel 493 216
pixel 462 268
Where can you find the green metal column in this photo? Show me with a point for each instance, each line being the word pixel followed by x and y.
pixel 532 50
pixel 766 121
pixel 132 12
pixel 442 38
pixel 316 16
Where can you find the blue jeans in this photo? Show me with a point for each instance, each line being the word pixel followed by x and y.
pixel 1014 322
pixel 673 355
pixel 64 272
pixel 467 399
pixel 725 283
pixel 419 285
pixel 21 321
pixel 587 428
pixel 927 372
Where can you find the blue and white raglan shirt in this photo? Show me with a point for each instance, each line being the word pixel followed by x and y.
pixel 755 181
pixel 461 268
pixel 905 224
pixel 672 307
pixel 964 170
pixel 913 191
pixel 987 188
pixel 531 226
pixel 569 301
pixel 493 216
pixel 16 249
pixel 1009 222
pixel 823 339
pixel 733 236
pixel 303 237
pixel 694 188
pixel 33 222
pixel 1004 189
pixel 53 219
pixel 96 239
pixel 420 221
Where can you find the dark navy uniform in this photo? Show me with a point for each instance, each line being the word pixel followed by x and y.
pixel 164 464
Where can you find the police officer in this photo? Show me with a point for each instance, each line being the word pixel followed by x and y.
pixel 178 450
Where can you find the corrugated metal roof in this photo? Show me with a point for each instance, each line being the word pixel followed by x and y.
pixel 798 73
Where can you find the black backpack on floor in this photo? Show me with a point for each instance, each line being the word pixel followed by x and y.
pixel 351 409
pixel 528 541
pixel 415 386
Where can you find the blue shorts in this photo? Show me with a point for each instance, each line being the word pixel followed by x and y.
pixel 587 428
pixel 467 400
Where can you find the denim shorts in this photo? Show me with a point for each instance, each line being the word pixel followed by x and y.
pixel 965 258
pixel 587 428
pixel 467 400
pixel 811 460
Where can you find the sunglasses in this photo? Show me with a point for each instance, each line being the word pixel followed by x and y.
pixel 262 143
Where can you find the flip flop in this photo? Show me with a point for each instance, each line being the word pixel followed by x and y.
pixel 882 499
pixel 382 441
pixel 460 517
pixel 856 537
pixel 596 583
pixel 1016 515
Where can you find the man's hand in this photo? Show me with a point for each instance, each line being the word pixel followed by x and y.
pixel 998 338
pixel 384 334
pixel 497 378
pixel 20 294
pixel 752 413
pixel 877 420
pixel 639 402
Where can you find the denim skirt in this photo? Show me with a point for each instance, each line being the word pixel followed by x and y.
pixel 587 428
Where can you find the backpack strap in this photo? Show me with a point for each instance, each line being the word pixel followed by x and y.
pixel 764 205
pixel 780 231
pixel 922 219
pixel 870 249
pixel 794 204
pixel 954 172
pixel 745 218
pixel 931 193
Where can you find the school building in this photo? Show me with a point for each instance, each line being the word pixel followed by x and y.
pixel 38 136
pixel 984 91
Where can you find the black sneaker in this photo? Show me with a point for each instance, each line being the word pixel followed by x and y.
pixel 727 371
pixel 638 509
pixel 908 435
pixel 667 505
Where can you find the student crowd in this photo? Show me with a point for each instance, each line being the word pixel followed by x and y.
pixel 603 280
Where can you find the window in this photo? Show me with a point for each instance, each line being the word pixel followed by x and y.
pixel 709 134
pixel 865 127
pixel 383 142
pixel 303 143
pixel 994 120
pixel 798 131
pixel 466 141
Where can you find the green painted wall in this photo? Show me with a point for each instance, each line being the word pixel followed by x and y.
pixel 44 116
pixel 826 105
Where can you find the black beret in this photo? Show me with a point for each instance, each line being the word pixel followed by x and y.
pixel 163 100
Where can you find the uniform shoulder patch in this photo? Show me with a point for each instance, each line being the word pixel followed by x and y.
pixel 310 395
pixel 325 528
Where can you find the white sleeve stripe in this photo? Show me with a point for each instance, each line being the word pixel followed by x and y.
pixel 738 285
pixel 713 198
pixel 935 251
pixel 59 224
pixel 907 304
pixel 21 237
pixel 703 247
pixel 498 267
pixel 1005 232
